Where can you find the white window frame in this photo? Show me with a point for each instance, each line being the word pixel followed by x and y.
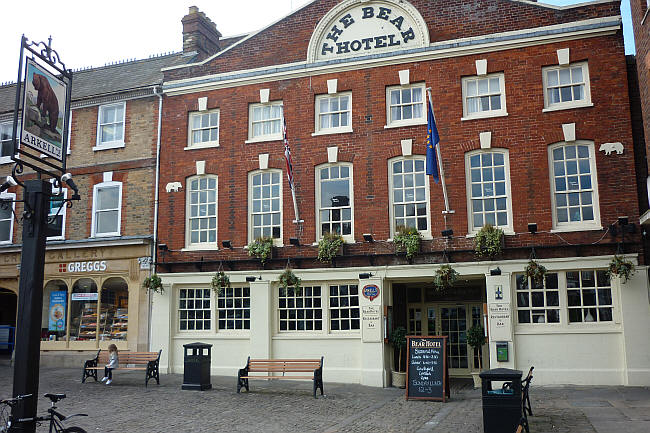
pixel 332 130
pixel 586 102
pixel 471 230
pixel 225 297
pixel 426 234
pixel 94 233
pixel 7 159
pixel 330 308
pixel 115 144
pixel 69 133
pixel 268 137
pixel 63 213
pixel 319 233
pixel 276 242
pixel 409 122
pixel 177 309
pixel 581 225
pixel 190 130
pixel 10 196
pixel 188 232
pixel 324 300
pixel 485 114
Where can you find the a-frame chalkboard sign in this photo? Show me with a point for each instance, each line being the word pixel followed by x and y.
pixel 427 372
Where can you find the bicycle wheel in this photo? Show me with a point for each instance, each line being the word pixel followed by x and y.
pixel 73 430
pixel 4 419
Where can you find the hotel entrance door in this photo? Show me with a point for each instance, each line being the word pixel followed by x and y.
pixel 452 321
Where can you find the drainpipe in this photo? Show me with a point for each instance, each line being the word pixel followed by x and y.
pixel 154 254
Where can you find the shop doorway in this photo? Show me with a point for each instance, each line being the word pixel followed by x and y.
pixel 8 307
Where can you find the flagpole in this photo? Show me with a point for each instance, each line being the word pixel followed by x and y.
pixel 440 167
pixel 295 206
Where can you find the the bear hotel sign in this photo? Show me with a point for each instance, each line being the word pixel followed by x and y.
pixel 356 28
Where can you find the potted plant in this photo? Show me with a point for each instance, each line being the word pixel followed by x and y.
pixel 329 247
pixel 621 268
pixel 407 239
pixel 445 277
pixel 261 248
pixel 536 272
pixel 476 340
pixel 289 279
pixel 398 341
pixel 153 283
pixel 220 282
pixel 488 241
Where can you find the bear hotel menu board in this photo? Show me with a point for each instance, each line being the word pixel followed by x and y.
pixel 427 377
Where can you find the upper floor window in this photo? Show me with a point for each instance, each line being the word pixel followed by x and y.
pixel 265 121
pixel 107 209
pixel 110 127
pixel 488 185
pixel 335 202
pixel 265 204
pixel 574 186
pixel 57 214
pixel 6 142
pixel 202 211
pixel 405 105
pixel 566 86
pixel 334 113
pixel 204 129
pixel 484 96
pixel 7 206
pixel 408 187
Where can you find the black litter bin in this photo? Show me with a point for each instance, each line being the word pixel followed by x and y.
pixel 196 374
pixel 501 404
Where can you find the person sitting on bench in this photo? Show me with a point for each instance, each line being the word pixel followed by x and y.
pixel 112 363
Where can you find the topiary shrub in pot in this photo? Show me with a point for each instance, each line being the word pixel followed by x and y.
pixel 476 340
pixel 398 341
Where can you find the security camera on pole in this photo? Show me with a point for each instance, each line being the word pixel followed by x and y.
pixel 43 99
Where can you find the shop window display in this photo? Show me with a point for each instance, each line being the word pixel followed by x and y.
pixel 55 310
pixel 83 310
pixel 115 307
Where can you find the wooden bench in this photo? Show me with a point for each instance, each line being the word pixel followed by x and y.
pixel 7 338
pixel 147 361
pixel 274 366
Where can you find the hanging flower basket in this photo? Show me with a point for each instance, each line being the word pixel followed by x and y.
pixel 329 247
pixel 261 248
pixel 289 279
pixel 488 241
pixel 621 267
pixel 445 277
pixel 153 283
pixel 536 272
pixel 219 282
pixel 407 239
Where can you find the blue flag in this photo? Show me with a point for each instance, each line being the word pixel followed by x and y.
pixel 432 141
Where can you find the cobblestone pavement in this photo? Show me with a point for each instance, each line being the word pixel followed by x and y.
pixel 287 406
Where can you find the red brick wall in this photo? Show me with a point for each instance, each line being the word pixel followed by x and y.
pixel 526 132
pixel 642 41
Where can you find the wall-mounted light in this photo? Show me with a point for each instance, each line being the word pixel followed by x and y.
pixel 495 272
pixel 226 244
pixel 8 183
pixel 448 233
pixel 67 178
pixel 162 247
pixel 532 228
pixel 367 237
pixel 623 221
pixel 253 279
pixel 365 275
pixel 294 241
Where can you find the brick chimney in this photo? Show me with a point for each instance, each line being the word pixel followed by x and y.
pixel 200 34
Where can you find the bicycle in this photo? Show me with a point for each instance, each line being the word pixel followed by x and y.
pixel 55 418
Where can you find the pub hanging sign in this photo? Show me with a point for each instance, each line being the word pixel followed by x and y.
pixel 43 96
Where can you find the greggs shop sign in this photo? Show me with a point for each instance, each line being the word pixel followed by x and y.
pixel 89 266
pixel 368 28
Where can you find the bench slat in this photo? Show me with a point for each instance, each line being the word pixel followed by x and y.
pixel 278 377
pixel 285 360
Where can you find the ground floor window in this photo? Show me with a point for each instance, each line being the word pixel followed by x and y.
pixel 300 310
pixel 115 309
pixel 55 311
pixel 344 307
pixel 84 311
pixel 589 296
pixel 234 308
pixel 538 301
pixel 194 310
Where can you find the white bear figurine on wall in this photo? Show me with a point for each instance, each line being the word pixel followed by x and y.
pixel 173 186
pixel 610 147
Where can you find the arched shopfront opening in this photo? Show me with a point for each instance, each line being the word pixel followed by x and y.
pixel 54 318
pixel 8 307
pixel 83 310
pixel 115 309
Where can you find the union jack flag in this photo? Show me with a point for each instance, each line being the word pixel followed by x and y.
pixel 287 155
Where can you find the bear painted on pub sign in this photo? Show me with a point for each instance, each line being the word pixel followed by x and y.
pixel 44 111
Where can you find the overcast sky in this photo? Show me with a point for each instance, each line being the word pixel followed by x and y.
pixel 93 33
